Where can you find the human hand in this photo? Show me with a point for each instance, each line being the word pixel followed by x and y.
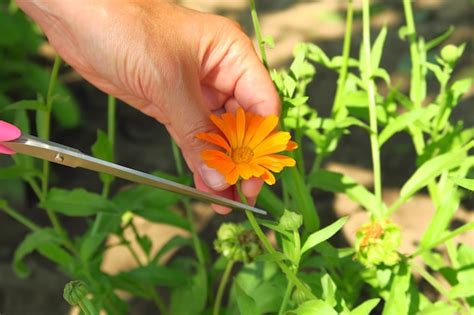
pixel 172 63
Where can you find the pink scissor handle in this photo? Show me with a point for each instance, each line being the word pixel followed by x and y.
pixel 8 132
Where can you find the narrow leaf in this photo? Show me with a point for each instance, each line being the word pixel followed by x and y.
pixel 365 308
pixel 432 169
pixel 323 234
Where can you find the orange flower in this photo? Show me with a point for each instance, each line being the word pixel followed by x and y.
pixel 250 144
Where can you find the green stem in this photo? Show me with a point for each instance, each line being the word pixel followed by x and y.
pixel 111 119
pixel 187 205
pixel 47 121
pixel 111 128
pixel 368 78
pixel 46 134
pixel 341 81
pixel 222 285
pixel 269 248
pixel 156 298
pixel 289 288
pixel 87 308
pixel 258 33
pixel 435 284
pixel 20 218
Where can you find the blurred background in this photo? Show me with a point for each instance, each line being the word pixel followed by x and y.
pixel 26 60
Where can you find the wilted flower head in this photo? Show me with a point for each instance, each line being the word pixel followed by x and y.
pixel 237 243
pixel 250 143
pixel 377 243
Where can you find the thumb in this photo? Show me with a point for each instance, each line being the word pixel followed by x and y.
pixel 185 123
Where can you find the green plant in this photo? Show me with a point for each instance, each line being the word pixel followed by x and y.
pixel 301 273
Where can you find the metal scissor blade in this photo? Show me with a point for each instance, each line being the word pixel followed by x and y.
pixel 67 156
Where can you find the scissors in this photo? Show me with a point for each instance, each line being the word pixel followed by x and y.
pixel 12 141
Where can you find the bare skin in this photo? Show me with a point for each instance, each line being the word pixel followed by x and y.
pixel 174 64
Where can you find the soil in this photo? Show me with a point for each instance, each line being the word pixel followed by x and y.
pixel 289 22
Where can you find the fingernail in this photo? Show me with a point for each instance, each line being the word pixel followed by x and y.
pixel 212 178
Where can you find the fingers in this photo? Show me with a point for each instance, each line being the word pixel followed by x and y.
pixel 227 193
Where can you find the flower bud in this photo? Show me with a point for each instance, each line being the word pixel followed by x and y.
pixel 299 296
pixel 74 292
pixel 450 53
pixel 237 243
pixel 377 243
pixel 290 221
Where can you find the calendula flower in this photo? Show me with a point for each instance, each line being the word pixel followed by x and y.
pixel 250 143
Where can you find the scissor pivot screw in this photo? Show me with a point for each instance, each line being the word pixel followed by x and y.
pixel 59 158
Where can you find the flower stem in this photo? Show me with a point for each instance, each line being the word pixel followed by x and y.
pixel 269 248
pixel 368 79
pixel 187 205
pixel 222 285
pixel 289 288
pixel 111 127
pixel 258 33
pixel 341 81
pixel 20 218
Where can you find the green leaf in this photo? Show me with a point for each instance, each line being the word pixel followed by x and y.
pixel 77 202
pixel 377 48
pixel 153 275
pixel 365 308
pixel 438 308
pixel 28 245
pixel 323 234
pixel 190 298
pixel 439 39
pixel 339 183
pixel 246 303
pixel 432 169
pixel 461 290
pixel 315 307
pixel 175 242
pixel 398 301
pixel 164 216
pixel 403 121
pixel 302 198
pixel 467 183
pixel 25 104
pixel 16 171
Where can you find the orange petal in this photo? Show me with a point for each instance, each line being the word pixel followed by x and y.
pixel 291 146
pixel 224 127
pixel 275 143
pixel 274 162
pixel 218 160
pixel 268 178
pixel 263 130
pixel 214 139
pixel 232 177
pixel 229 121
pixel 253 122
pixel 257 170
pixel 240 126
pixel 245 171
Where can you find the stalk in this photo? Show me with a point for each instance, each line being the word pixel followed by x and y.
pixel 374 143
pixel 20 218
pixel 341 81
pixel 45 133
pixel 289 288
pixel 111 128
pixel 258 33
pixel 222 285
pixel 269 248
pixel 187 205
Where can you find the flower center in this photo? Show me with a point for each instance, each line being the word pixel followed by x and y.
pixel 242 155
